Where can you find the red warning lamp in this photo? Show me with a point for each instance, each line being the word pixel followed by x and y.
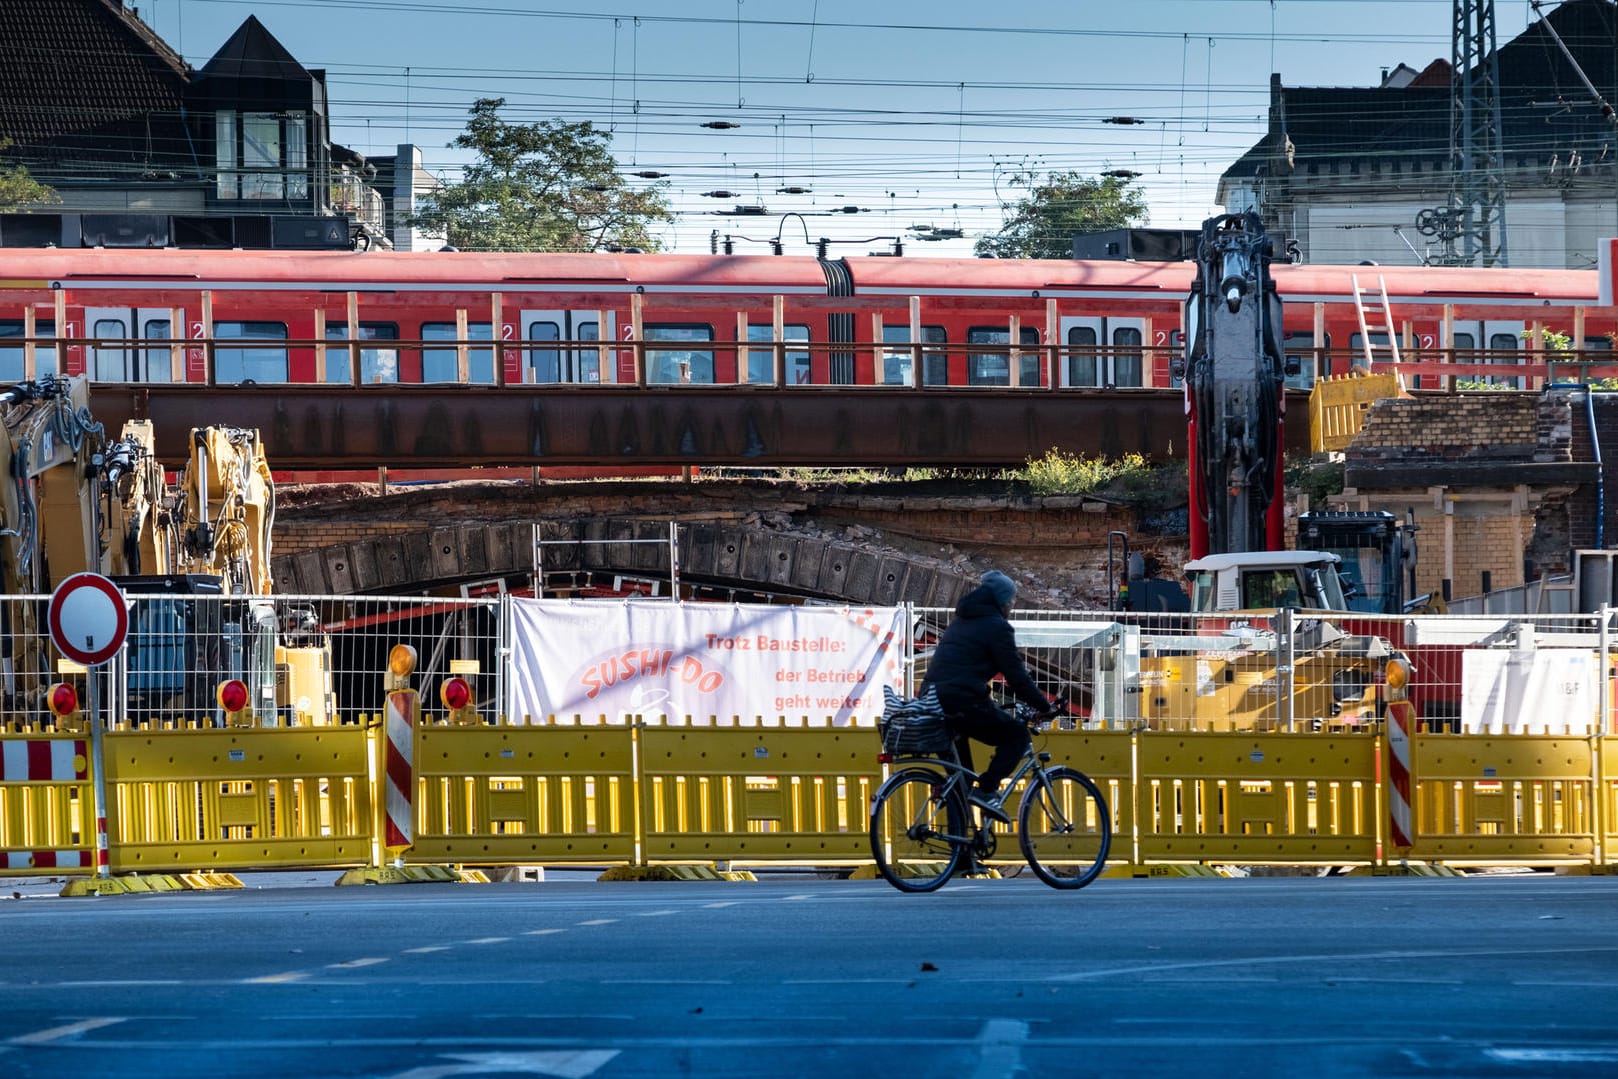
pixel 456 693
pixel 232 695
pixel 63 699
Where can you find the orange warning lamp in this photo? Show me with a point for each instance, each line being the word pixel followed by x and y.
pixel 401 662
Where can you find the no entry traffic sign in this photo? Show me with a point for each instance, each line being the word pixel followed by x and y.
pixel 88 619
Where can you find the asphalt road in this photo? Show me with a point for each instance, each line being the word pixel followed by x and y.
pixel 1477 976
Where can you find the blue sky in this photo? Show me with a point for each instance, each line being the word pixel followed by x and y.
pixel 915 112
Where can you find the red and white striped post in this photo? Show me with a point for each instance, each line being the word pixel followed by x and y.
pixel 398 772
pixel 1401 723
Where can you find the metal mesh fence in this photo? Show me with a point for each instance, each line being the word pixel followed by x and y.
pixel 304 660
pixel 1294 671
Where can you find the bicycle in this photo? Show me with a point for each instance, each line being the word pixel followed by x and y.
pixel 921 820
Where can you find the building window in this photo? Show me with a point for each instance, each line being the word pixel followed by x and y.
pixel 262 155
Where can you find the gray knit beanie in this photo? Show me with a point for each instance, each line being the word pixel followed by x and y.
pixel 1001 587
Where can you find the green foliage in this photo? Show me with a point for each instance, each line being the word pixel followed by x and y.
pixel 19 188
pixel 1059 473
pixel 546 186
pixel 1313 477
pixel 1042 224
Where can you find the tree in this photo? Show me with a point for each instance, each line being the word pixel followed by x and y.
pixel 547 186
pixel 18 188
pixel 1042 224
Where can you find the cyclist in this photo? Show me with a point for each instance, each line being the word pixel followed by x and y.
pixel 979 644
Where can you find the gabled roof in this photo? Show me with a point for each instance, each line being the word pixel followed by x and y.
pixel 73 67
pixel 253 53
pixel 1545 109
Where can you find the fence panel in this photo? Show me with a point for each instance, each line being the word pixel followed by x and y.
pixel 758 793
pixel 516 795
pixel 1264 798
pixel 238 799
pixel 1510 800
pixel 47 816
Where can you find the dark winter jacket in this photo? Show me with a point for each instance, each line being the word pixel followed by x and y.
pixel 979 644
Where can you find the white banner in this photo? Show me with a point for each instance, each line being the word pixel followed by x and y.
pixel 1547 691
pixel 657 659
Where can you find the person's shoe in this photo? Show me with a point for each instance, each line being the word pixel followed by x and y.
pixel 989 804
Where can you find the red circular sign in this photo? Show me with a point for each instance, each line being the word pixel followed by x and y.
pixel 88 619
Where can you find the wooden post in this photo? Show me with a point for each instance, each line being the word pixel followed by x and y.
pixel 497 330
pixel 604 336
pixel 1321 360
pixel 463 358
pixel 637 340
pixel 176 345
pixel 1447 334
pixel 29 324
pixel 320 344
pixel 918 358
pixel 355 375
pixel 743 353
pixel 60 298
pixel 778 319
pixel 1053 343
pixel 1578 343
pixel 208 346
pixel 1014 353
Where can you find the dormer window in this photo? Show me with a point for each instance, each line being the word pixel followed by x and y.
pixel 262 155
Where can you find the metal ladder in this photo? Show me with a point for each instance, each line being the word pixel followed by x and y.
pixel 1378 304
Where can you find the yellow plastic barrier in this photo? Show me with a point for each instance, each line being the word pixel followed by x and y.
pixel 1513 800
pixel 238 798
pixel 799 794
pixel 1337 407
pixel 47 820
pixel 529 794
pixel 1257 798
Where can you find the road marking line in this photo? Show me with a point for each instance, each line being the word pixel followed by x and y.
pixel 40 1037
pixel 353 963
pixel 275 979
pixel 489 940
pixel 1001 1053
pixel 655 913
pixel 424 949
pixel 716 906
pixel 790 898
pixel 597 921
pixel 543 932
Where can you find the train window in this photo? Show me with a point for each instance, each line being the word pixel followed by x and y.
pixel 11 349
pixel 896 362
pixel 1598 344
pixel 1505 342
pixel 443 364
pixel 377 365
pixel 761 361
pixel 158 362
pixel 1081 370
pixel 1300 349
pixel 994 368
pixel 672 366
pixel 1126 360
pixel 261 363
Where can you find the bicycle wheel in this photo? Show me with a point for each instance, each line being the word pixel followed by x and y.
pixel 1065 828
pixel 918 834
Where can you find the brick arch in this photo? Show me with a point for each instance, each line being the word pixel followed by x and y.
pixel 712 553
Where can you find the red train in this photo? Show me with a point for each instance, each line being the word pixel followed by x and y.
pixel 280 316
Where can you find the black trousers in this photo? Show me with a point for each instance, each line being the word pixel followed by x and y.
pixel 979 717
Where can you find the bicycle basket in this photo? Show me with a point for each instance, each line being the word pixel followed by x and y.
pixel 912 725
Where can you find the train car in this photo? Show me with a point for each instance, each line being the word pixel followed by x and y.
pixel 444 317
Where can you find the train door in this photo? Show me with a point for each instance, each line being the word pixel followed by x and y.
pixel 1496 342
pixel 112 358
pixel 544 362
pixel 1102 351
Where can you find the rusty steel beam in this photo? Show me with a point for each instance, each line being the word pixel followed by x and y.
pixel 319 427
